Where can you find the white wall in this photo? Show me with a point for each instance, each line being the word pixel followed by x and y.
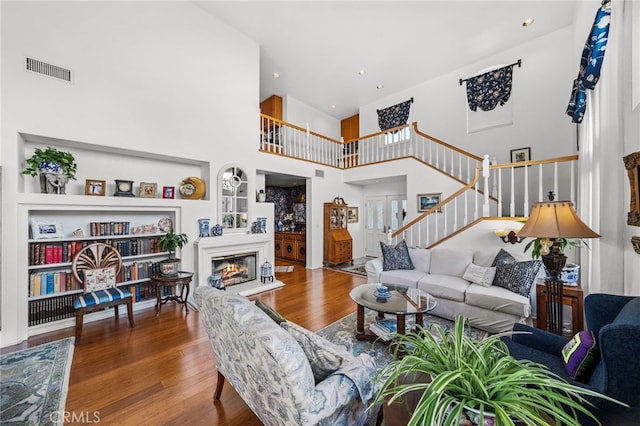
pixel 539 97
pixel 301 114
pixel 631 137
pixel 160 77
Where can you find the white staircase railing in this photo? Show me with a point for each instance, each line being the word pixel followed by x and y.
pixel 498 190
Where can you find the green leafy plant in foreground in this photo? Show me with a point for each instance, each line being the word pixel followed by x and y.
pixel 480 375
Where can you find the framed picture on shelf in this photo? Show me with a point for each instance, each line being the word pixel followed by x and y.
pixel 521 154
pixel 148 190
pixel 352 214
pixel 95 187
pixel 42 229
pixel 428 201
pixel 168 191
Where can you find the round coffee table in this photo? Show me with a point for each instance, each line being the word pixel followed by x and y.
pixel 403 301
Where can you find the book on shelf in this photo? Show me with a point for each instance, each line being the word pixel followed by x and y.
pixel 385 328
pixel 45 283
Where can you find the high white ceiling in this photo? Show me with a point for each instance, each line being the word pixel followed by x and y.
pixel 318 47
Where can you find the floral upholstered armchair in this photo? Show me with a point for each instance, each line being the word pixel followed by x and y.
pixel 286 374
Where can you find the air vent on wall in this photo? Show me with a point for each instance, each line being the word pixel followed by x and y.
pixel 319 173
pixel 49 70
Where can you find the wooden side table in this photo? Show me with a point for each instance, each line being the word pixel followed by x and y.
pixel 183 279
pixel 572 295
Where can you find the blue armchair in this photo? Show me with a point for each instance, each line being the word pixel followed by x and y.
pixel 615 321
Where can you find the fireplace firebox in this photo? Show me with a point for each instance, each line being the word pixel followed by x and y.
pixel 235 268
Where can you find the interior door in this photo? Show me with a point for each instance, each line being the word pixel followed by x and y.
pixel 382 213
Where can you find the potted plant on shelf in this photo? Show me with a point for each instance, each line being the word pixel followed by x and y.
pixel 169 242
pixel 542 246
pixel 461 381
pixel 54 167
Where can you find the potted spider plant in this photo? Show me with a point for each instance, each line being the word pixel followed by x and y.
pixel 170 242
pixel 54 167
pixel 469 382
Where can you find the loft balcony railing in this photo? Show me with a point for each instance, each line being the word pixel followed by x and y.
pixel 281 138
pixel 488 191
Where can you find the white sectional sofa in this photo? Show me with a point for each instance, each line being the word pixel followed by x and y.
pixel 439 272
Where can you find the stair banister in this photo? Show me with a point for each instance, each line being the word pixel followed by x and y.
pixel 485 174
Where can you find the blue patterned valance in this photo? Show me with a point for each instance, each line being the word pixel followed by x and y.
pixel 394 116
pixel 590 63
pixel 486 91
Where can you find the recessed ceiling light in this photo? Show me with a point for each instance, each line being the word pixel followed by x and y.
pixel 333 107
pixel 528 22
pixel 379 86
pixel 275 75
pixel 362 72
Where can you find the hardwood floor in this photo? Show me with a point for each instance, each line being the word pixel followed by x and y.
pixel 163 370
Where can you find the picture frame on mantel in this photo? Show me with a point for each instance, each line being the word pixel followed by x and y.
pixel 148 189
pixel 168 191
pixel 95 187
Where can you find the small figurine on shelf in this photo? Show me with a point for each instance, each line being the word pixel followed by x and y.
pixel 280 226
pixel 204 226
pixel 216 231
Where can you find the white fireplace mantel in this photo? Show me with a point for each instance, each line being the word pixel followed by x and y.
pixel 232 244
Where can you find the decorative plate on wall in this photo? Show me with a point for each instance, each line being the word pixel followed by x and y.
pixel 192 188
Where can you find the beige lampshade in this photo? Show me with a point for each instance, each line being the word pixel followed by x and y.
pixel 555 219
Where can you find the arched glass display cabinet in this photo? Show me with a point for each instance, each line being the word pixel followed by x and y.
pixel 234 200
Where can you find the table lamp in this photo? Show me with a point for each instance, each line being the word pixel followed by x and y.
pixel 553 222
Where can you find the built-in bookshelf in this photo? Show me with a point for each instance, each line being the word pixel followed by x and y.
pixel 133 231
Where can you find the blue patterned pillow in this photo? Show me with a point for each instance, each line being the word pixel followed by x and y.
pixel 522 276
pixel 395 257
pixel 515 276
pixel 503 263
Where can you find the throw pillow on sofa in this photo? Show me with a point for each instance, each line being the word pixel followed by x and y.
pixel 324 356
pixel 272 313
pixel 395 257
pixel 515 276
pixel 482 275
pixel 503 263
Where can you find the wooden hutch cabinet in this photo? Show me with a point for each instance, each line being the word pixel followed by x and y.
pixel 291 246
pixel 337 240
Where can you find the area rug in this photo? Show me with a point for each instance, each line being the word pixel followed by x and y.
pixel 283 268
pixel 34 383
pixel 357 268
pixel 342 332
